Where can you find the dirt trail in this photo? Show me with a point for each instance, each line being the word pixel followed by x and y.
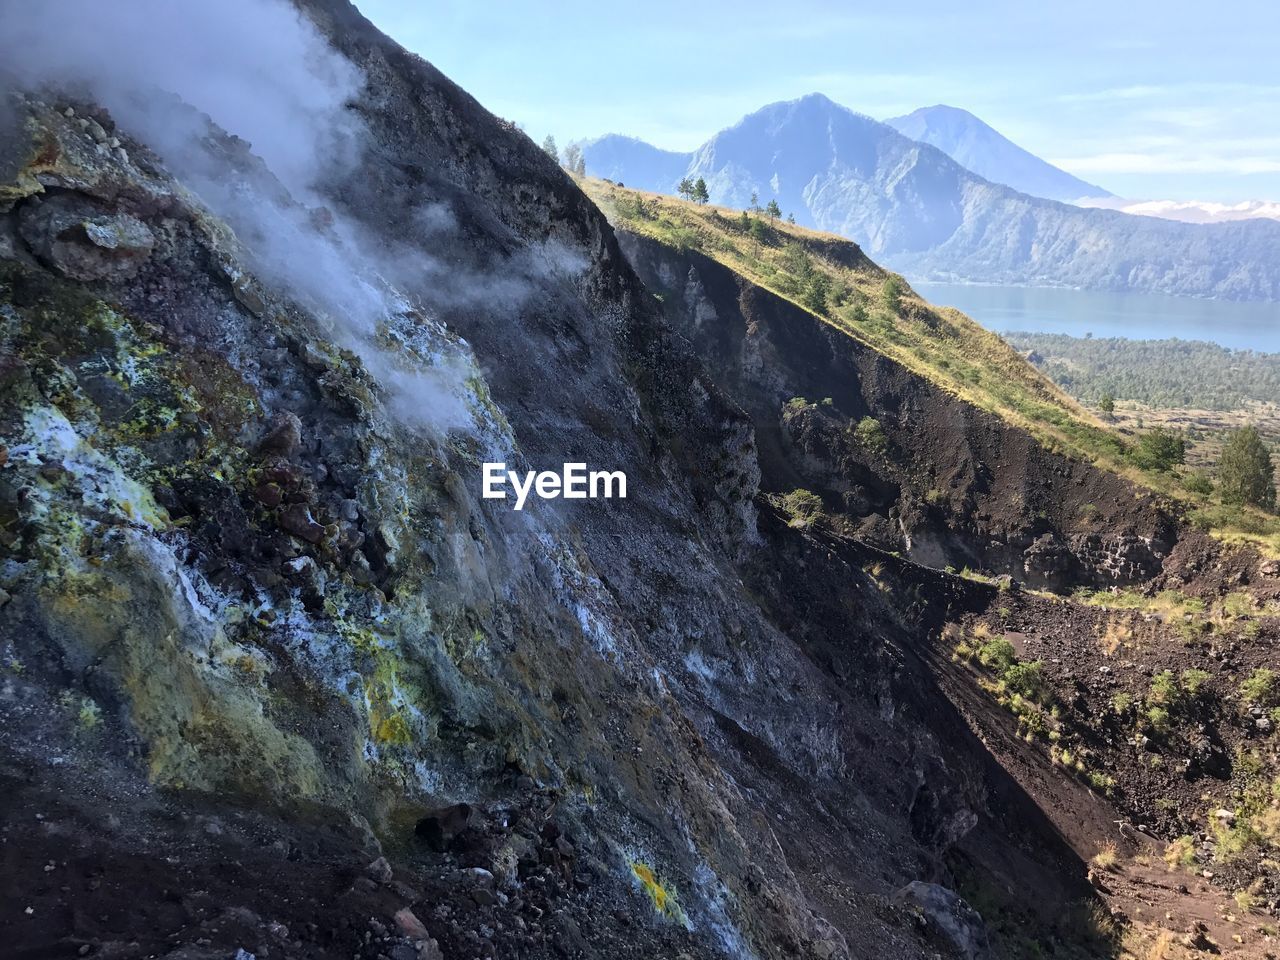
pixel 1175 914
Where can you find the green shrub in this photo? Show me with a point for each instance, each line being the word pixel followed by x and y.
pixel 684 238
pixel 871 435
pixel 1027 680
pixel 1261 688
pixel 1246 474
pixel 1102 782
pixel 1160 450
pixel 89 715
pixel 1193 682
pixel 997 654
pixel 802 506
pixel 1158 721
pixel 815 292
pixel 892 292
pixel 1238 603
pixel 1198 482
pixel 1181 852
pixel 1164 689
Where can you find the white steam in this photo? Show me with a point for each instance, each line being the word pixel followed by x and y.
pixel 256 67
pixel 261 71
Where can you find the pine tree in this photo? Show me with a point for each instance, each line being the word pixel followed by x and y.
pixel 773 210
pixel 685 189
pixel 549 145
pixel 700 194
pixel 755 202
pixel 1107 404
pixel 815 293
pixel 574 161
pixel 1246 474
pixel 892 291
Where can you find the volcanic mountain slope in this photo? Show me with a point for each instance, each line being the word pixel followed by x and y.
pixel 278 679
pixel 1142 721
pixel 834 280
pixel 976 146
pixel 915 209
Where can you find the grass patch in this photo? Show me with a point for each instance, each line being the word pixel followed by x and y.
pixel 831 278
pixel 1020 687
pixel 1105 858
pixel 1181 853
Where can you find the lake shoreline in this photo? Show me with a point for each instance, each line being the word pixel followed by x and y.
pixel 1237 325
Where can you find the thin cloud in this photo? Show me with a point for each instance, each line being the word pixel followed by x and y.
pixel 1149 163
pixel 1136 92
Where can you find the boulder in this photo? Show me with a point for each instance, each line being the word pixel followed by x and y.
pixel 950 915
pixel 283 437
pixel 74 236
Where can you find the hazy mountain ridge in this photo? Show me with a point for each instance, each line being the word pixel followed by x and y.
pixel 636 163
pixel 917 210
pixel 977 146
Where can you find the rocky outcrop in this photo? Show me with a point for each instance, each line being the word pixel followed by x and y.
pixel 954 919
pixel 75 238
pixel 899 461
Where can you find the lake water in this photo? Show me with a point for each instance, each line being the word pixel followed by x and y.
pixel 1138 316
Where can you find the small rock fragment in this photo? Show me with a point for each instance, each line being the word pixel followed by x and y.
pixel 410 926
pixel 296 519
pixel 284 438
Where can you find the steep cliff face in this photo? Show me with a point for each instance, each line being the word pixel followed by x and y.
pixel 906 465
pixel 259 625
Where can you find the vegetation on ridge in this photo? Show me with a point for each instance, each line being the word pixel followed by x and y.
pixel 1159 373
pixel 831 277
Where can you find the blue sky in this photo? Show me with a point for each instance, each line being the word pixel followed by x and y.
pixel 1174 100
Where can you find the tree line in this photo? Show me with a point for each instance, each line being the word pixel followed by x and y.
pixel 572 158
pixel 1158 373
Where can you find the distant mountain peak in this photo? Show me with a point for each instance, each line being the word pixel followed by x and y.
pixel 633 161
pixel 978 146
pixel 618 137
pixel 810 101
pixel 819 98
pixel 944 109
pixel 982 209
